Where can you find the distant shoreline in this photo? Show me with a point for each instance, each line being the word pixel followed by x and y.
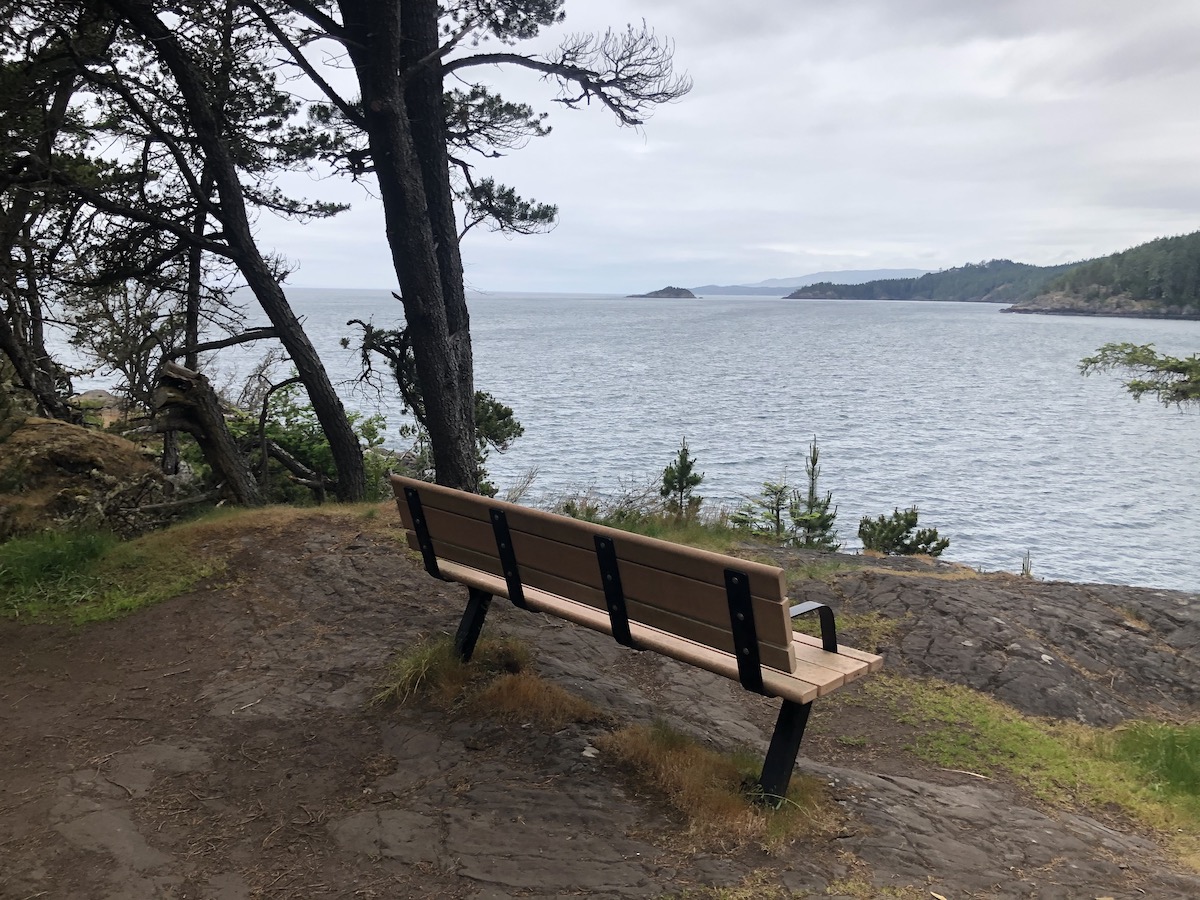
pixel 1107 314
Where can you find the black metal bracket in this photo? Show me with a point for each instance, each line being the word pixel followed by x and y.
pixel 421 529
pixel 828 627
pixel 781 755
pixel 614 595
pixel 745 638
pixel 508 559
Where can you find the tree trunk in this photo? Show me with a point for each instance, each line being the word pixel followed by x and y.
pixel 343 442
pixel 34 374
pixel 185 401
pixel 409 154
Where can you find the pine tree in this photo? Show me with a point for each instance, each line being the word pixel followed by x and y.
pixel 812 519
pixel 679 479
pixel 763 515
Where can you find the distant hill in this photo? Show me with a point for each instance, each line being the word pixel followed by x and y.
pixel 775 287
pixel 1157 279
pixel 995 281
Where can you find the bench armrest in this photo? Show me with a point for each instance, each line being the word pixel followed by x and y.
pixel 828 628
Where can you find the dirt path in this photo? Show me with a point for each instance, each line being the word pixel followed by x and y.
pixel 220 746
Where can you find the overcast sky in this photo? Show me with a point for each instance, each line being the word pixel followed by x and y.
pixel 851 135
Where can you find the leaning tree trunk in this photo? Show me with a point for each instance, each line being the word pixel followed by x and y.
pixel 35 378
pixel 185 401
pixel 331 414
pixel 409 154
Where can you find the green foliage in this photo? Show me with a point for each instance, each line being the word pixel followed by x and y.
pixel 1165 272
pixel 998 280
pixel 1169 755
pixel 1060 763
pixel 763 515
pixel 495 429
pixel 894 535
pixel 89 576
pixel 292 424
pixel 495 425
pixel 51 563
pixel 1170 379
pixel 679 481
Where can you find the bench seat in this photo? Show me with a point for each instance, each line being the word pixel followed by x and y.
pixel 817 672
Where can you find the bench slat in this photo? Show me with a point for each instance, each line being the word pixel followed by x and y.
pixel 653 593
pixel 873 661
pixel 690 562
pixel 779 684
pixel 692 629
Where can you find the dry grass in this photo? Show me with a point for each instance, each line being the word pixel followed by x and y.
pixel 711 791
pixel 432 672
pixel 526 698
pixel 867 631
pixel 761 884
pixel 957 573
pixel 497 682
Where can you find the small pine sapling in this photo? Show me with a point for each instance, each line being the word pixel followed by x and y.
pixel 679 480
pixel 812 519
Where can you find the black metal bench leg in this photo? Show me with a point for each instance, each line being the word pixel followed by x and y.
pixel 781 755
pixel 471 623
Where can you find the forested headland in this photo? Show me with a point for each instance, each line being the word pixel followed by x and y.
pixel 994 281
pixel 1159 278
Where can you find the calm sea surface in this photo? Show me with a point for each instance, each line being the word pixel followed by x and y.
pixel 980 419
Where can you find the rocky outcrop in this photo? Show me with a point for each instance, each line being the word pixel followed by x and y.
pixel 668 292
pixel 57 475
pixel 1093 653
pixel 1065 303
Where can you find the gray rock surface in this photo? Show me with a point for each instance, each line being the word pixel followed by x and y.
pixel 220 746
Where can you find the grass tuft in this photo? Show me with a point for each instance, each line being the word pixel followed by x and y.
pixel 524 697
pixel 497 682
pixel 709 790
pixel 432 671
pixel 1167 755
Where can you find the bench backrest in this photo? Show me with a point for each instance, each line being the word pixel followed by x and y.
pixel 677 589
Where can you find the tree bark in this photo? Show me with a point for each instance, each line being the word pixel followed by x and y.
pixel 35 377
pixel 185 401
pixel 343 442
pixel 405 126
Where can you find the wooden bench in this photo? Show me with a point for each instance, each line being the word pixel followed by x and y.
pixel 725 615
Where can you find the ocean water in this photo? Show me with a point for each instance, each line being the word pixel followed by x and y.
pixel 979 418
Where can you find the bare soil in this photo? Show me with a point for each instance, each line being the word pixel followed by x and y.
pixel 221 745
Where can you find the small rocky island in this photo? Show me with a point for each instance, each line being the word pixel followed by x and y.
pixel 669 292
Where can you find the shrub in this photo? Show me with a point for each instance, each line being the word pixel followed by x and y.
pixel 895 536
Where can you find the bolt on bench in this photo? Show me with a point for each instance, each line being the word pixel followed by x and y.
pixel 719 613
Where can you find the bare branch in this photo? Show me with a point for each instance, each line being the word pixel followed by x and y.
pixel 254 334
pixel 629 71
pixel 297 55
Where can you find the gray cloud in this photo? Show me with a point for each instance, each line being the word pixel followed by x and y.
pixel 868 133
